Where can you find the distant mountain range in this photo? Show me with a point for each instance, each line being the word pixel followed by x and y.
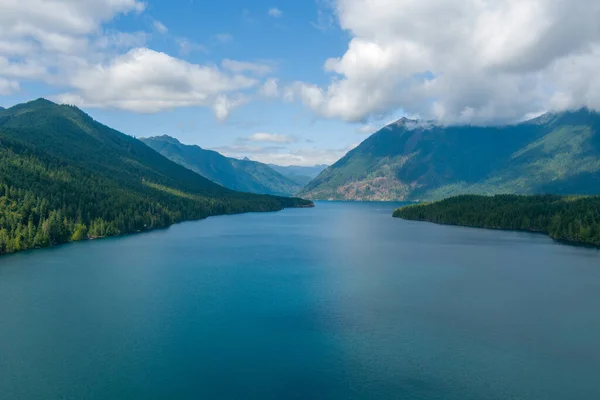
pixel 302 175
pixel 409 160
pixel 65 177
pixel 241 175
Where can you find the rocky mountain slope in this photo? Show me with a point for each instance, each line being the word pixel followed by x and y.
pixel 410 160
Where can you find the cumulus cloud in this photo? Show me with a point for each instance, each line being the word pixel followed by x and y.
pixel 460 61
pixel 224 104
pixel 275 12
pixel 64 43
pixel 243 66
pixel 8 86
pixel 272 138
pixel 47 39
pixel 25 69
pixel 144 80
pixel 59 25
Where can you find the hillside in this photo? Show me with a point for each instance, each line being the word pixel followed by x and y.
pixel 64 176
pixel 300 174
pixel 554 153
pixel 240 175
pixel 570 219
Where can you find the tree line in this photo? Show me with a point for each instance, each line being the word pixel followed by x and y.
pixel 46 201
pixel 573 219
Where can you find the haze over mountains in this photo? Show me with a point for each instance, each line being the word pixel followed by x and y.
pixel 241 175
pixel 300 174
pixel 555 153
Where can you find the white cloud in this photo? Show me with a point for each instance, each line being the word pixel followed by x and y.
pixel 241 151
pixel 46 40
pixel 325 15
pixel 224 105
pixel 159 27
pixel 275 12
pixel 18 47
pixel 367 129
pixel 144 80
pixel 59 25
pixel 27 69
pixel 8 86
pixel 64 43
pixel 281 155
pixel 272 138
pixel 460 60
pixel 243 66
pixel 120 40
pixel 270 88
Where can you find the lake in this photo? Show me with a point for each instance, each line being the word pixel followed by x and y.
pixel 336 302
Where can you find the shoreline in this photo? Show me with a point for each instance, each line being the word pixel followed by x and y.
pixel 537 232
pixel 89 238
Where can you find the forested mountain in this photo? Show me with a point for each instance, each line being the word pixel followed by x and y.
pixel 409 160
pixel 300 174
pixel 64 177
pixel 572 219
pixel 242 175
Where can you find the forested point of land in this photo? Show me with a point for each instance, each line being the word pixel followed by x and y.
pixel 574 219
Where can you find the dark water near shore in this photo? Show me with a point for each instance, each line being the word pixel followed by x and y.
pixel 336 302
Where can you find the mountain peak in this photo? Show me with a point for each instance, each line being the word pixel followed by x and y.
pixel 411 161
pixel 581 116
pixel 404 121
pixel 164 138
pixel 41 102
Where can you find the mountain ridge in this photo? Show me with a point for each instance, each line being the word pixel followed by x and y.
pixel 66 177
pixel 554 153
pixel 242 175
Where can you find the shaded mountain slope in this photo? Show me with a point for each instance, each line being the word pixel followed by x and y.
pixel 241 175
pixel 64 176
pixel 555 153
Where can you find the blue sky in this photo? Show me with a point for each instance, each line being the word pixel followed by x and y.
pixel 299 82
pixel 292 38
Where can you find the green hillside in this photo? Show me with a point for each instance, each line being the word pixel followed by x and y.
pixel 555 153
pixel 240 175
pixel 567 218
pixel 64 177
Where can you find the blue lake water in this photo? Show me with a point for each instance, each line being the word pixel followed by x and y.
pixel 336 302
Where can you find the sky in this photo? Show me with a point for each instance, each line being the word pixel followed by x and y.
pixel 299 82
